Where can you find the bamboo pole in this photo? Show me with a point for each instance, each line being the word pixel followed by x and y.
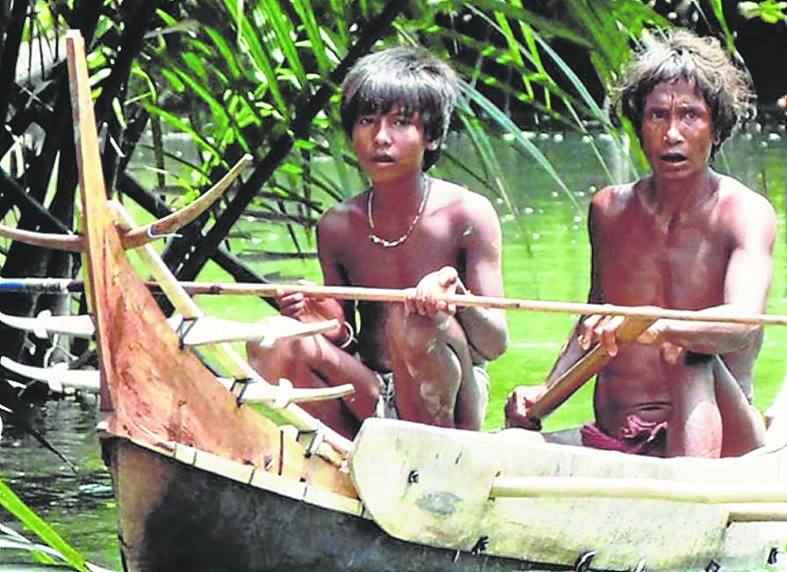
pixel 652 489
pixel 56 285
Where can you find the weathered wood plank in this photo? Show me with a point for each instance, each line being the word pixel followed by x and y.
pixel 432 485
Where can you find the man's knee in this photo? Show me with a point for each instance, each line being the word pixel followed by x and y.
pixel 415 335
pixel 438 402
pixel 261 357
pixel 690 371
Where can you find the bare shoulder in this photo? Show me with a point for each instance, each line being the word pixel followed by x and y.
pixel 749 216
pixel 460 200
pixel 734 195
pixel 340 220
pixel 612 201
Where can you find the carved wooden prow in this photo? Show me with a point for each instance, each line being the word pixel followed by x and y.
pixel 150 388
pixel 149 384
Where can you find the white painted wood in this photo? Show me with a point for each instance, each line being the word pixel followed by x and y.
pixel 209 330
pixel 643 488
pixel 281 395
pixel 58 378
pixel 432 485
pixel 45 324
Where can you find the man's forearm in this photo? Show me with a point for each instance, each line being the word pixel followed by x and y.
pixel 486 330
pixel 709 337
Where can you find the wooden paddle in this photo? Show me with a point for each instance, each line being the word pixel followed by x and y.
pixel 585 368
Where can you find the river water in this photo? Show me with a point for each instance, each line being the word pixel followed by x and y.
pixel 545 257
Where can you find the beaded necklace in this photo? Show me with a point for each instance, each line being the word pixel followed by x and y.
pixel 394 243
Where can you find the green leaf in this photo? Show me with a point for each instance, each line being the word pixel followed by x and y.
pixel 227 54
pixel 249 38
pixel 510 127
pixel 718 12
pixel 184 127
pixel 306 13
pixel 283 39
pixel 550 27
pixel 14 505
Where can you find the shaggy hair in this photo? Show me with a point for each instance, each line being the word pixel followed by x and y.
pixel 401 75
pixel 681 55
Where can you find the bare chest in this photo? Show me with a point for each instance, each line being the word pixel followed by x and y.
pixel 433 243
pixel 677 265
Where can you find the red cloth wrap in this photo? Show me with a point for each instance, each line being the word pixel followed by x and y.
pixel 637 436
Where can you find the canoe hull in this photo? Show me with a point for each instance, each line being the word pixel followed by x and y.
pixel 173 516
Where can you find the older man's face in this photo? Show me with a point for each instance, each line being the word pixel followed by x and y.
pixel 677 132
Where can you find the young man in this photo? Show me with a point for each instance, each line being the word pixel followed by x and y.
pixel 423 360
pixel 684 237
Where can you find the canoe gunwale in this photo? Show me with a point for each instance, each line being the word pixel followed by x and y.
pixel 250 475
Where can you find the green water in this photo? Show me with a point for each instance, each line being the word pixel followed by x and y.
pixel 546 257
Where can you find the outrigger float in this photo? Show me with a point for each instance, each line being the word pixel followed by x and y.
pixel 203 481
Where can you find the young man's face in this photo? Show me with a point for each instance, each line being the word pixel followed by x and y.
pixel 389 145
pixel 677 133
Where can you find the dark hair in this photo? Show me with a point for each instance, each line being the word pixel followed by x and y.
pixel 401 75
pixel 681 55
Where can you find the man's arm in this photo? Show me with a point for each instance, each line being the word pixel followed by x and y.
pixel 752 221
pixel 486 329
pixel 520 399
pixel 329 239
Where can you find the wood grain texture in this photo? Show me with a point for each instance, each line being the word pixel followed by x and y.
pixel 151 389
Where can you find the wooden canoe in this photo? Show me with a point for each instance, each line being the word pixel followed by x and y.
pixel 205 483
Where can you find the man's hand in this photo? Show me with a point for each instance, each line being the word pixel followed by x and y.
pixel 519 401
pixel 602 330
pixel 423 299
pixel 655 335
pixel 305 309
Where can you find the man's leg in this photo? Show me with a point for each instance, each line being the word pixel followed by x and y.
pixel 314 362
pixel 695 428
pixel 472 400
pixel 432 366
pixel 743 427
